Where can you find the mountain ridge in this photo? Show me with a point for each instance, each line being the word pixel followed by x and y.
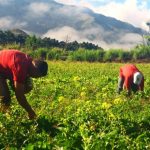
pixel 46 18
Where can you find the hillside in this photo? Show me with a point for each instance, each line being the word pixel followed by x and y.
pixel 47 18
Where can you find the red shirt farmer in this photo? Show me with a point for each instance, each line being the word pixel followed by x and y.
pixel 130 78
pixel 16 66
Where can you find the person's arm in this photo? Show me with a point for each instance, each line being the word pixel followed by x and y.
pixel 120 81
pixel 128 83
pixel 142 85
pixel 120 84
pixel 19 91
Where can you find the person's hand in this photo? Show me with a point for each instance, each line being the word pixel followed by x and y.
pixel 32 115
pixel 119 90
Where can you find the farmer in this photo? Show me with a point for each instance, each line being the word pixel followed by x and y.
pixel 130 78
pixel 18 67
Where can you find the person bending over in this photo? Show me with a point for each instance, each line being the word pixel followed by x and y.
pixel 130 79
pixel 18 68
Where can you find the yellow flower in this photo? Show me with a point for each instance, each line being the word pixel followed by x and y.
pixel 1 125
pixel 111 115
pixel 76 78
pixel 104 95
pixel 61 98
pixel 8 116
pixel 118 101
pixel 84 88
pixel 102 134
pixel 106 105
pixel 83 94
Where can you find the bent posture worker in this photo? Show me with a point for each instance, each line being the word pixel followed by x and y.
pixel 17 67
pixel 130 79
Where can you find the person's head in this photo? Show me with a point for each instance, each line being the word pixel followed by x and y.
pixel 39 68
pixel 137 78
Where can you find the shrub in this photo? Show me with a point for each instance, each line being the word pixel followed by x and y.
pixel 111 55
pixel 86 55
pixel 94 55
pixel 141 52
pixel 57 54
pixel 125 55
pixel 12 46
pixel 78 55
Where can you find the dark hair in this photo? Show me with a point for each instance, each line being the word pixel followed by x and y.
pixel 42 66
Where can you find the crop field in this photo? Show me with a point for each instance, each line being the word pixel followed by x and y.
pixel 78 109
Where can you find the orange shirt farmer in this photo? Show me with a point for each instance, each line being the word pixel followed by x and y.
pixel 130 78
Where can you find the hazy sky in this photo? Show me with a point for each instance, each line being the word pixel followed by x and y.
pixel 136 12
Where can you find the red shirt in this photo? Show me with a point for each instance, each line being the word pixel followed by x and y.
pixel 14 65
pixel 127 72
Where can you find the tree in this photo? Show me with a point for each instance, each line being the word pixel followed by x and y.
pixel 9 37
pixel 72 46
pixel 31 42
pixel 148 36
pixel 2 37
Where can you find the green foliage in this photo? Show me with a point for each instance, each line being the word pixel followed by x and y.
pixel 111 55
pixel 141 52
pixel 86 55
pixel 72 46
pixel 32 42
pixel 147 37
pixel 12 46
pixel 94 55
pixel 40 53
pixel 78 108
pixel 57 54
pixel 7 37
pixel 79 55
pixel 53 49
pixel 124 55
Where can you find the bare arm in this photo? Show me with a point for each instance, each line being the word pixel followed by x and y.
pixel 142 85
pixel 19 91
pixel 120 84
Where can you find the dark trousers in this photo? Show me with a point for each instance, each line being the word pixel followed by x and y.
pixel 4 92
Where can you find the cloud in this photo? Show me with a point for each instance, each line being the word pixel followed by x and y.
pixel 68 2
pixel 5 22
pixel 9 23
pixel 127 11
pixel 93 35
pixel 77 15
pixel 38 9
pixel 74 35
pixel 134 12
pixel 131 37
pixel 63 33
pixel 5 2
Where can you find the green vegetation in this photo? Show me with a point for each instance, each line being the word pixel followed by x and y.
pixel 138 54
pixel 32 42
pixel 77 109
pixel 53 49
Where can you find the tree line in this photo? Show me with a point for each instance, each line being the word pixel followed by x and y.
pixel 53 49
pixel 140 53
pixel 33 42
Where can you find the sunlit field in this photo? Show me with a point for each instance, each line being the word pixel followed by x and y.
pixel 78 109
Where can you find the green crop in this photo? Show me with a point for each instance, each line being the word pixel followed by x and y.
pixel 78 108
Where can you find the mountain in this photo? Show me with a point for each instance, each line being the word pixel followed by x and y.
pixel 47 18
pixel 19 32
